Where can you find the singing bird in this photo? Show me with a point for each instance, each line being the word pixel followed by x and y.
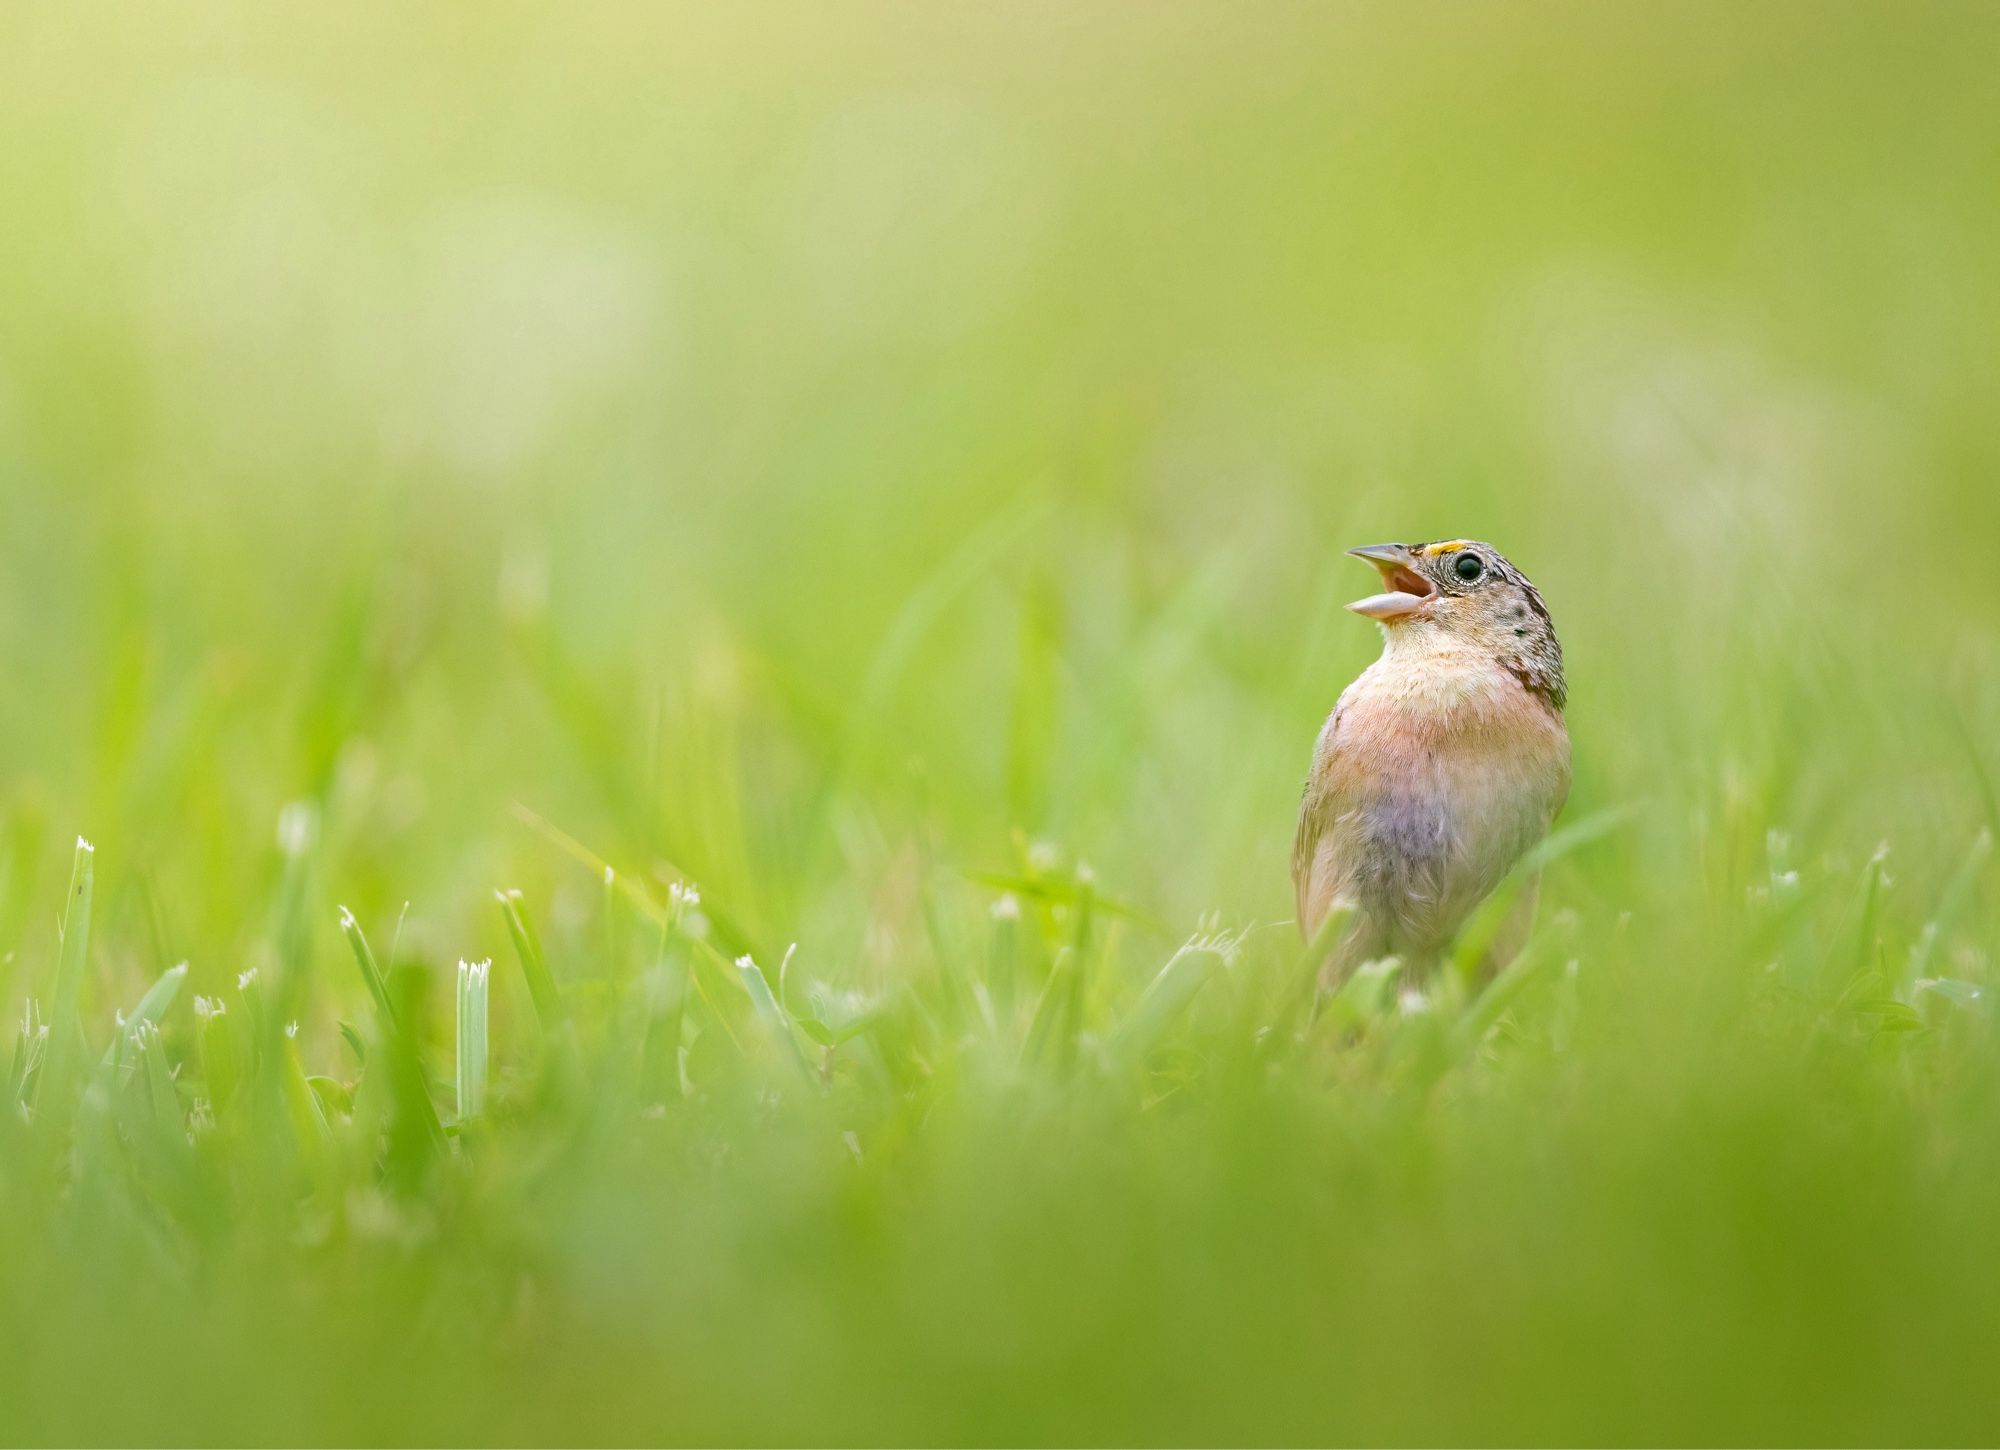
pixel 1442 764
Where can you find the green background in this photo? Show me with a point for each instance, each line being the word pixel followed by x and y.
pixel 871 459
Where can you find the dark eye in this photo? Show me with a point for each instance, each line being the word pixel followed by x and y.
pixel 1468 567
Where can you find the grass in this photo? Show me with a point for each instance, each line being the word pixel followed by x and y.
pixel 811 543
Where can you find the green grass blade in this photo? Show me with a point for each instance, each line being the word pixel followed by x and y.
pixel 152 1007
pixel 1171 993
pixel 534 964
pixel 56 1084
pixel 222 1060
pixel 772 1020
pixel 404 1067
pixel 472 1047
pixel 371 971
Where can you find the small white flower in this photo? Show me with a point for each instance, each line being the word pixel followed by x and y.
pixel 245 980
pixel 209 1007
pixel 688 895
pixel 1007 908
pixel 292 1029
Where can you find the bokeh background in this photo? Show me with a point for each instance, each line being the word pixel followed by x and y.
pixel 828 452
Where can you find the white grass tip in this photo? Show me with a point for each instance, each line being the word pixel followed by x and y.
pixel 746 961
pixel 685 894
pixel 85 847
pixel 245 980
pixel 1007 908
pixel 209 1007
pixel 610 876
pixel 292 1030
pixel 347 921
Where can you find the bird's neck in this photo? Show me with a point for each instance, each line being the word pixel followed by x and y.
pixel 1420 644
pixel 1434 667
pixel 1429 671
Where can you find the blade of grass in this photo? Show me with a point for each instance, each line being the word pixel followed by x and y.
pixel 1171 992
pixel 1477 936
pixel 772 1019
pixel 405 1066
pixel 534 965
pixel 371 971
pixel 1951 905
pixel 55 1085
pixel 471 1057
pixel 152 1007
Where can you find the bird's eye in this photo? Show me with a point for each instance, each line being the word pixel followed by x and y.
pixel 1468 567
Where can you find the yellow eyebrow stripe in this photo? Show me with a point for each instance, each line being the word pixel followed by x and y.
pixel 1451 548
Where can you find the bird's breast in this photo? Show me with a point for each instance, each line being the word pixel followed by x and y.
pixel 1457 765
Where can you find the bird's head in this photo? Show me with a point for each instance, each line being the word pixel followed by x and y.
pixel 1467 593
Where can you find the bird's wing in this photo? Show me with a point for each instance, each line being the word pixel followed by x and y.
pixel 1561 795
pixel 1305 846
pixel 1317 810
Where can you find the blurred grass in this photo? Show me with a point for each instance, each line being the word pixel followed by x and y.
pixel 870 462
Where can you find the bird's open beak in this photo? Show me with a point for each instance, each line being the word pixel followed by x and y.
pixel 1405 589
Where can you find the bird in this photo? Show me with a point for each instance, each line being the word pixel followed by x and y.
pixel 1443 764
